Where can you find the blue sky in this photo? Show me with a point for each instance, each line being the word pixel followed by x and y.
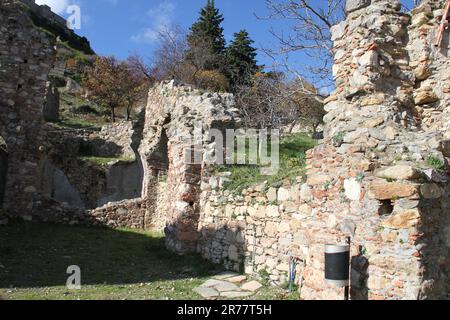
pixel 122 27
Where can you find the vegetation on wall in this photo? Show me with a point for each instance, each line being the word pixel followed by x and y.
pixel 292 165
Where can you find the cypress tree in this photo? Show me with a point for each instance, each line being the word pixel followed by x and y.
pixel 207 35
pixel 241 59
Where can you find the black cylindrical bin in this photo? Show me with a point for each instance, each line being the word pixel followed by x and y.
pixel 337 265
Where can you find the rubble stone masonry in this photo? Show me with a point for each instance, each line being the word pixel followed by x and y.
pixel 380 175
pixel 26 57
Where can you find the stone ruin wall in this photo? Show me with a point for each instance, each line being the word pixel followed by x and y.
pixel 46 179
pixel 370 178
pixel 172 114
pixel 26 57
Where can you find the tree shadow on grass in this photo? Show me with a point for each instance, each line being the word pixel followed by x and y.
pixel 37 255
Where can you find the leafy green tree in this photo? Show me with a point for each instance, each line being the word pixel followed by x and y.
pixel 241 59
pixel 207 37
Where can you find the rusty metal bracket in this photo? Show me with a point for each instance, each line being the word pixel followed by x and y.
pixel 444 25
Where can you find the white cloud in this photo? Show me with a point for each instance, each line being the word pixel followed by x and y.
pixel 57 6
pixel 161 17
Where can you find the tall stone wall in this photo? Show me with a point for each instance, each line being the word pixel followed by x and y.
pixel 380 176
pixel 172 114
pixel 26 57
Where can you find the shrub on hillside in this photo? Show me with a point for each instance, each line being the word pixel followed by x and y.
pixel 212 80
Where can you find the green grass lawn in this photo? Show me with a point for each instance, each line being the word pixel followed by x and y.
pixel 115 264
pixel 101 161
pixel 292 165
pixel 70 119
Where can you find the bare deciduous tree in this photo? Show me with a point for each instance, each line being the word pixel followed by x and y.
pixel 103 81
pixel 116 84
pixel 170 55
pixel 271 102
pixel 137 80
pixel 309 34
pixel 139 67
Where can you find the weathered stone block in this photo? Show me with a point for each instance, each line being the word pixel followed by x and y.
pixel 425 97
pixel 382 190
pixel 318 179
pixel 272 211
pixel 353 5
pixel 400 172
pixel 403 220
pixel 431 191
pixel 272 195
pixel 352 189
pixel 51 106
pixel 283 194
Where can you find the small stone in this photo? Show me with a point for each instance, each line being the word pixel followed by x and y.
pixel 252 286
pixel 372 123
pixel 211 283
pixel 425 97
pixel 30 189
pixel 400 172
pixel 272 211
pixel 403 220
pixel 348 227
pixel 318 179
pixel 422 72
pixel 353 5
pixel 419 20
pixel 226 286
pixel 206 292
pixel 272 195
pixel 370 58
pixel 407 204
pixel 305 192
pixel 390 133
pixel 271 228
pixel 283 194
pixel 122 211
pixel 237 279
pixel 305 210
pixel 352 189
pixel 431 191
